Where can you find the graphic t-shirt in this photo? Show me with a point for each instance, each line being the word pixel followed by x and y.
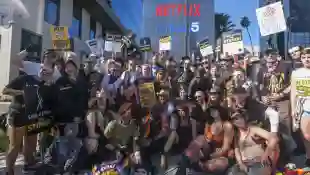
pixel 301 78
pixel 38 99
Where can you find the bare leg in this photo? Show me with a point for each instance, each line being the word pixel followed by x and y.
pixel 15 143
pixel 305 129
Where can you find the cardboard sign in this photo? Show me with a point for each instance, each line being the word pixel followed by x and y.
pixel 271 19
pixel 60 37
pixel 165 43
pixel 147 94
pixel 145 44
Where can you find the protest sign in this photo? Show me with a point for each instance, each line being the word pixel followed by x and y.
pixel 271 19
pixel 145 44
pixel 60 37
pixel 147 94
pixel 205 47
pixel 113 43
pixel 95 46
pixel 165 43
pixel 233 42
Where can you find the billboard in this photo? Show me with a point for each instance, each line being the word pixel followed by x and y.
pixel 300 14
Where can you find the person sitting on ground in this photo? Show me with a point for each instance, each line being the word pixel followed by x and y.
pixel 254 147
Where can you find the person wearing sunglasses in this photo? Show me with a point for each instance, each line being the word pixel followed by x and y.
pixel 254 147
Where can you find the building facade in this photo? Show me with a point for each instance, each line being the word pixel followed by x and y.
pixel 130 14
pixel 85 19
pixel 178 26
pixel 298 34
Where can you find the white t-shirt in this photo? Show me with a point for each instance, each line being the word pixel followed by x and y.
pixel 302 84
pixel 31 68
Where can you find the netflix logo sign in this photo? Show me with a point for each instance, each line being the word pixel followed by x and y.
pixel 163 10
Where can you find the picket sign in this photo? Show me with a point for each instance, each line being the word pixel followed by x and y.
pixel 233 42
pixel 271 19
pixel 205 47
pixel 165 43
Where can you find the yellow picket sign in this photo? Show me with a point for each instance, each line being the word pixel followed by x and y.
pixel 60 37
pixel 59 33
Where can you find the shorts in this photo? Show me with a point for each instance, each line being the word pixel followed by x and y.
pixel 306 114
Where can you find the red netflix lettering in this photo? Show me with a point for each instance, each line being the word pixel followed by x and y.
pixel 197 9
pixel 178 9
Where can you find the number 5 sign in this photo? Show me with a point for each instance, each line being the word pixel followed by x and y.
pixel 195 27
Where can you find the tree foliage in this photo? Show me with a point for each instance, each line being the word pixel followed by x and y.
pixel 223 24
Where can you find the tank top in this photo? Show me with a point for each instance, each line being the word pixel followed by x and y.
pixel 217 139
pixel 249 149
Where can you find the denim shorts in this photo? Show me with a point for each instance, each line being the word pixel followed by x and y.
pixel 306 114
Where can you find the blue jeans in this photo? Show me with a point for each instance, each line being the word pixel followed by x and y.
pixel 63 152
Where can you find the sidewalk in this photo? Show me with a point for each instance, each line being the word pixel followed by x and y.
pixel 18 165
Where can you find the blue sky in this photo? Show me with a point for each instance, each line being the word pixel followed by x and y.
pixel 237 9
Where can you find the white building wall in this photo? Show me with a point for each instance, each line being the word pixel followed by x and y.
pixel 11 38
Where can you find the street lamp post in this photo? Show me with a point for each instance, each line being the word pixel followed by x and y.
pixel 187 32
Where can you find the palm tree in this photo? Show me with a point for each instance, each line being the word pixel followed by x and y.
pixel 245 23
pixel 222 24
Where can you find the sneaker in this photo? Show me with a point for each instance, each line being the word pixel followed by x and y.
pixel 29 169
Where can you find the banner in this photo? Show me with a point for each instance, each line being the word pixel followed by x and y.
pixel 205 47
pixel 165 43
pixel 147 94
pixel 233 42
pixel 113 43
pixel 271 19
pixel 60 37
pixel 145 44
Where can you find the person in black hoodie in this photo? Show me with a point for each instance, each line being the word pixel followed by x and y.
pixel 34 101
pixel 71 96
pixel 70 111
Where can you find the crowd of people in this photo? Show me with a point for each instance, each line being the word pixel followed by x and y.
pixel 232 116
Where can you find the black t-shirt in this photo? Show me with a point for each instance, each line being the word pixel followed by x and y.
pixel 70 98
pixel 39 99
pixel 17 106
